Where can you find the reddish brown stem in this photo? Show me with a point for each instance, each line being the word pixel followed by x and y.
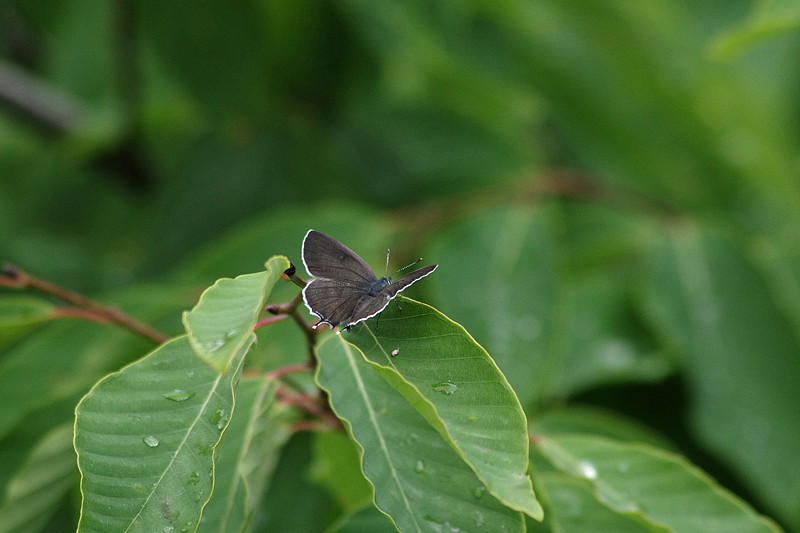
pixel 85 308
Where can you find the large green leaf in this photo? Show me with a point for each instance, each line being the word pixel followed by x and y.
pixel 247 456
pixel 573 507
pixel 145 438
pixel 419 480
pixel 658 487
pixel 44 478
pixel 503 289
pixel 224 317
pixel 456 386
pixel 741 358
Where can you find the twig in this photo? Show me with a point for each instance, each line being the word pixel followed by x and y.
pixel 311 406
pixel 43 105
pixel 84 307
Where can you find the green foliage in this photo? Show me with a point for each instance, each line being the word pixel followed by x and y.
pixel 610 190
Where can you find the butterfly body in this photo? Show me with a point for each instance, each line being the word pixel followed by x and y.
pixel 345 290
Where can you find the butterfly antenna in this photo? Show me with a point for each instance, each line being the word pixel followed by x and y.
pixel 386 270
pixel 408 266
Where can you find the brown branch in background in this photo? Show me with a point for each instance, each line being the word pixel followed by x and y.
pixel 53 112
pixel 84 307
pixel 416 224
pixel 310 405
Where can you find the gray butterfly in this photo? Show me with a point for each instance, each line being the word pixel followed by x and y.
pixel 345 290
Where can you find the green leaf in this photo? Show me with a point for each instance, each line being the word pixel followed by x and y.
pixel 451 380
pixel 146 436
pixel 660 487
pixel 368 518
pixel 741 357
pixel 19 314
pixel 768 19
pixel 489 287
pixel 572 507
pixel 40 483
pixel 596 421
pixel 224 317
pixel 420 482
pixel 293 502
pixel 247 456
pixel 34 374
pixel 337 467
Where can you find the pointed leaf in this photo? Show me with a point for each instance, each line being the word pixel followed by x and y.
pixel 46 476
pixel 659 486
pixel 145 438
pixel 456 386
pixel 225 314
pixel 420 482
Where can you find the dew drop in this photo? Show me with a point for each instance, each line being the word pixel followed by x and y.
pixel 395 351
pixel 588 470
pixel 220 418
pixel 420 467
pixel 231 333
pixel 479 492
pixel 212 346
pixel 151 441
pixel 445 387
pixel 178 395
pixel 205 449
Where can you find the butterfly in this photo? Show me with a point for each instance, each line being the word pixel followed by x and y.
pixel 345 290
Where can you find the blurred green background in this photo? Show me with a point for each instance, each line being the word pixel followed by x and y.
pixel 610 188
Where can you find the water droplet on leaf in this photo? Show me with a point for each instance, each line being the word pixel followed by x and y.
pixel 588 470
pixel 178 395
pixel 420 467
pixel 151 441
pixel 445 387
pixel 213 346
pixel 220 418
pixel 479 492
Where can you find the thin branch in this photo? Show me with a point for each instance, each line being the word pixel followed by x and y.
pixel 50 110
pixel 311 406
pixel 84 307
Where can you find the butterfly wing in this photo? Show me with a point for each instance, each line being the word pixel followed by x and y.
pixel 406 281
pixel 325 257
pixel 369 306
pixel 331 301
